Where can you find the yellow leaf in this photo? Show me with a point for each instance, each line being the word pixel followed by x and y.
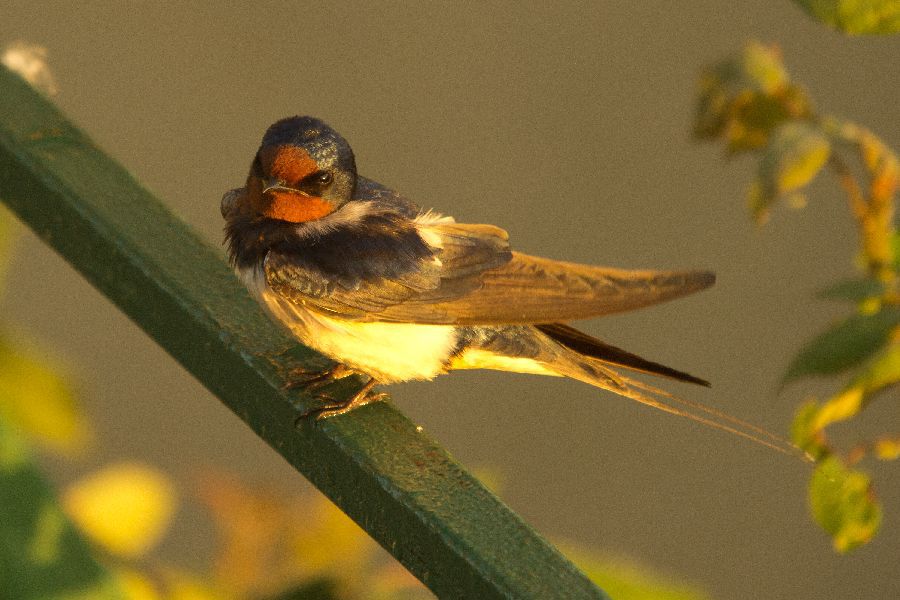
pixel 763 68
pixel 35 398
pixel 325 541
pixel 878 374
pixel 870 306
pixel 887 448
pixel 135 585
pixel 126 508
pixel 799 151
pixel 843 406
pixel 856 16
pixel 621 578
pixel 797 201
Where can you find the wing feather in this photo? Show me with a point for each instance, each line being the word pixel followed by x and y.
pixel 472 278
pixel 531 289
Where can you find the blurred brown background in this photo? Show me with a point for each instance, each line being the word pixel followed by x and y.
pixel 568 126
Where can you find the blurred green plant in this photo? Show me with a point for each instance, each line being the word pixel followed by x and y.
pixel 27 375
pixel 856 16
pixel 749 102
pixel 41 554
pixel 268 546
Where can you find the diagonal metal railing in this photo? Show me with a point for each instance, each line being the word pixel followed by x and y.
pixel 398 484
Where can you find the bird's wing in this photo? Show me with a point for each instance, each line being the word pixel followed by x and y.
pixel 472 278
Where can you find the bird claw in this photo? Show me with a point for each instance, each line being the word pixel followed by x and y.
pixel 332 407
pixel 301 377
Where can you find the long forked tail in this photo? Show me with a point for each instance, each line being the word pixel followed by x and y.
pixel 594 373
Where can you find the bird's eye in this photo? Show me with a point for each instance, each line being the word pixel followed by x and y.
pixel 324 177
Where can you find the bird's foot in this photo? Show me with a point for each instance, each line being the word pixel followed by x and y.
pixel 301 377
pixel 332 407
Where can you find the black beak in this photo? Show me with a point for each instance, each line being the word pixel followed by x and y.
pixel 273 184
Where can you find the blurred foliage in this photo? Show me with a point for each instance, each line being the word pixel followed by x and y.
pixel 38 399
pixel 843 504
pixel 41 554
pixel 856 16
pixel 142 499
pixel 845 345
pixel 750 103
pixel 34 393
pixel 268 546
pixel 621 579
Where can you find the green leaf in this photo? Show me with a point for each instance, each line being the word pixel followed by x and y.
pixel 843 504
pixel 854 290
pixel 41 554
pixel 845 345
pixel 805 434
pixel 856 16
pixel 796 153
pixel 895 247
pixel 880 373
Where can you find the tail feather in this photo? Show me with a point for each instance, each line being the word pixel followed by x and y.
pixel 591 347
pixel 535 349
pixel 589 371
pixel 740 427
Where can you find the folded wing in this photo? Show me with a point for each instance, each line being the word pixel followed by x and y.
pixel 472 278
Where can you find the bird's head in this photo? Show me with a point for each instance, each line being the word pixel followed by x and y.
pixel 303 171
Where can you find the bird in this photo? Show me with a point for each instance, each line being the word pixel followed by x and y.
pixel 360 273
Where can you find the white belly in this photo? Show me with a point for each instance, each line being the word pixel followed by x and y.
pixel 389 352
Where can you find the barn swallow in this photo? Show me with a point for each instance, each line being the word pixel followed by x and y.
pixel 361 274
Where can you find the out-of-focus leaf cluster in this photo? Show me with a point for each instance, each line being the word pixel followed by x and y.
pixel 842 503
pixel 749 103
pixel 856 16
pixel 744 99
pixel 41 554
pixel 35 395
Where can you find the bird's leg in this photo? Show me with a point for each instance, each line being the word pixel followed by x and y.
pixel 362 397
pixel 300 377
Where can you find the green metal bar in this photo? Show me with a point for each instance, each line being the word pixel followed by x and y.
pixel 399 485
